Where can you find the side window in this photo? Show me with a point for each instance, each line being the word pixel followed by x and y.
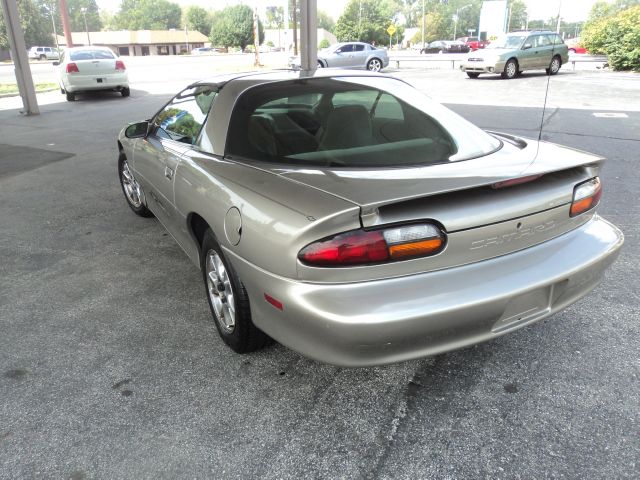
pixel 557 39
pixel 389 108
pixel 182 119
pixel 358 48
pixel 366 98
pixel 530 41
pixel 543 41
pixel 346 48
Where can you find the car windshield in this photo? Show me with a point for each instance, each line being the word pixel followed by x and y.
pixel 507 41
pixel 350 122
pixel 91 55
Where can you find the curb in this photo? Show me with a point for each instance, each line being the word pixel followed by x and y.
pixel 17 94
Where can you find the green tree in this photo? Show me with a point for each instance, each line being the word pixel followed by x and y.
pixel 275 17
pixel 324 43
pixel 436 28
pixel 148 15
pixel 233 27
pixel 76 17
pixel 198 18
pixel 366 21
pixel 616 35
pixel 36 26
pixel 108 20
pixel 517 15
pixel 325 21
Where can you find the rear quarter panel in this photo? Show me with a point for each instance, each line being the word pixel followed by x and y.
pixel 279 216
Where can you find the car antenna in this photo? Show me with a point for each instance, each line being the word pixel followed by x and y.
pixel 546 93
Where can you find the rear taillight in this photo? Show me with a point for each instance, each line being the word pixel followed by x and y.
pixel 360 247
pixel 120 65
pixel 586 195
pixel 72 68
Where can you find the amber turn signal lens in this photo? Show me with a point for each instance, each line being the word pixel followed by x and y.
pixel 415 249
pixel 586 195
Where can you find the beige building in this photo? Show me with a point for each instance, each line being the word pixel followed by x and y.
pixel 141 42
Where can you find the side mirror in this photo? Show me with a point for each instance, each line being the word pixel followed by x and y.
pixel 527 46
pixel 137 130
pixel 55 64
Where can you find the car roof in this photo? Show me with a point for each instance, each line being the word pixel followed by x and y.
pixel 88 47
pixel 522 33
pixel 255 78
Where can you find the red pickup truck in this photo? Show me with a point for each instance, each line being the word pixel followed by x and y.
pixel 474 43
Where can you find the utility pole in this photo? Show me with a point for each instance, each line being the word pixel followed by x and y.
pixel 256 38
pixel 20 59
pixel 422 46
pixel 86 29
pixel 52 11
pixel 66 25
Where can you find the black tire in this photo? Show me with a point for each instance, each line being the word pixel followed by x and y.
pixel 554 66
pixel 243 336
pixel 473 74
pixel 320 64
pixel 71 97
pixel 138 208
pixel 510 69
pixel 126 91
pixel 374 65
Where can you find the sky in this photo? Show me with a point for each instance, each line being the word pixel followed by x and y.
pixel 572 10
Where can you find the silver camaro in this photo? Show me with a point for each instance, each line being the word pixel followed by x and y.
pixel 352 219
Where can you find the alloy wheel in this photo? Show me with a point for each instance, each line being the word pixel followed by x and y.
pixel 220 291
pixel 375 65
pixel 131 186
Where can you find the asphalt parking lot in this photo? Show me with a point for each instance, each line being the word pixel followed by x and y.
pixel 110 366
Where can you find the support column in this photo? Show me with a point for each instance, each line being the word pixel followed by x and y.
pixel 20 58
pixel 309 35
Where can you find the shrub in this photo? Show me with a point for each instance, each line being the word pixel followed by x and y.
pixel 617 36
pixel 324 43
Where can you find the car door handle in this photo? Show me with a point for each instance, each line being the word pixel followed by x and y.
pixel 168 173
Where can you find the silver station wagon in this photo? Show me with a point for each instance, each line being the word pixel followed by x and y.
pixel 354 220
pixel 516 52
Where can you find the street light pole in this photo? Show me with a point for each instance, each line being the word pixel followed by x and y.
pixel 456 18
pixel 86 28
pixel 422 46
pixel 52 11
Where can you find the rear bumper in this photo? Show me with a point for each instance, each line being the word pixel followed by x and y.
pixel 83 83
pixel 393 320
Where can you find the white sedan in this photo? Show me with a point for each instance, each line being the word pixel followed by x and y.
pixel 83 69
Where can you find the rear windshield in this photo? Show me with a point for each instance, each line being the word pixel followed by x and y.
pixel 350 122
pixel 91 55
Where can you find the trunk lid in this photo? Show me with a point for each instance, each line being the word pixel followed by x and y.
pixel 399 194
pixel 100 66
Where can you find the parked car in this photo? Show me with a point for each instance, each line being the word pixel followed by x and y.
pixel 84 69
pixel 516 52
pixel 474 43
pixel 203 51
pixel 43 53
pixel 351 218
pixel 446 46
pixel 574 46
pixel 349 55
